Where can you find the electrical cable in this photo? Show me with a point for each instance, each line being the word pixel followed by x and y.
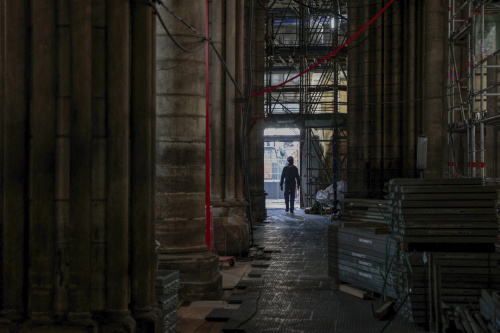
pixel 330 55
pixel 180 19
pixel 395 11
pixel 246 115
pixel 207 39
pixel 197 49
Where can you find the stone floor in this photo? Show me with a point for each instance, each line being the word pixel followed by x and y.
pixel 287 288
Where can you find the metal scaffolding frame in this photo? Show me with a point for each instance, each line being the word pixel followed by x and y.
pixel 299 33
pixel 472 58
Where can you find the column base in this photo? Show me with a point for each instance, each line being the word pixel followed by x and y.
pixel 259 211
pixel 99 322
pixel 149 320
pixel 231 231
pixel 199 274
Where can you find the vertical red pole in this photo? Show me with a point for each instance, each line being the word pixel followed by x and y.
pixel 208 232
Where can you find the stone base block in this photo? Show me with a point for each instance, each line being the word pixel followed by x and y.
pixel 149 321
pixel 199 274
pixel 259 211
pixel 231 232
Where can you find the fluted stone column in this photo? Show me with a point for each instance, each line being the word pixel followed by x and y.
pixel 388 75
pixel 180 155
pixel 65 172
pixel 229 211
pixel 255 126
pixel 355 158
pixel 434 118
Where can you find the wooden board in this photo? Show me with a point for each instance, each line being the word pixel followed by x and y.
pixel 383 310
pixel 352 291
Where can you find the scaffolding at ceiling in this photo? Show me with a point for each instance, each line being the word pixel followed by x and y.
pixel 299 33
pixel 472 89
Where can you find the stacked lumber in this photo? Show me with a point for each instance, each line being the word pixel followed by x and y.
pixel 489 305
pixel 443 211
pixel 362 258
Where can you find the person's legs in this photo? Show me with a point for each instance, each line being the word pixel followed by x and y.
pixel 287 197
pixel 292 198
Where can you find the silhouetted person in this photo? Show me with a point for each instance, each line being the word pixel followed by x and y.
pixel 289 175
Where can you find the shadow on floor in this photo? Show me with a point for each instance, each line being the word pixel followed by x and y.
pixel 292 291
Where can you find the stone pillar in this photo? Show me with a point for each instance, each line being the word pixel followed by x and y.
pixel 255 125
pixel 14 166
pixel 217 97
pixel 229 211
pixel 142 169
pixel 434 117
pixel 382 129
pixel 240 80
pixel 180 154
pixel 356 172
pixel 65 168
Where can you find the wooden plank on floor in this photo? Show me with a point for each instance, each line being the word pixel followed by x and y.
pixel 352 291
pixel 383 310
pixel 362 224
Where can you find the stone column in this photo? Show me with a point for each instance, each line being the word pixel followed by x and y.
pixel 217 97
pixel 240 79
pixel 142 168
pixel 255 126
pixel 385 68
pixel 434 118
pixel 180 153
pixel 356 172
pixel 229 211
pixel 65 168
pixel 14 167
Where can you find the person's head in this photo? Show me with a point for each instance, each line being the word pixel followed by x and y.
pixel 290 160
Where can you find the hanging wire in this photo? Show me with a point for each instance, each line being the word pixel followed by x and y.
pixel 197 49
pixel 246 116
pixel 245 98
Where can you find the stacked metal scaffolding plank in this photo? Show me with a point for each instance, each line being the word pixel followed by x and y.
pixel 359 254
pixel 437 211
pixel 427 280
pixel 167 290
pixel 489 304
pixel 376 212
pixel 435 221
pixel 411 283
pixel 363 259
